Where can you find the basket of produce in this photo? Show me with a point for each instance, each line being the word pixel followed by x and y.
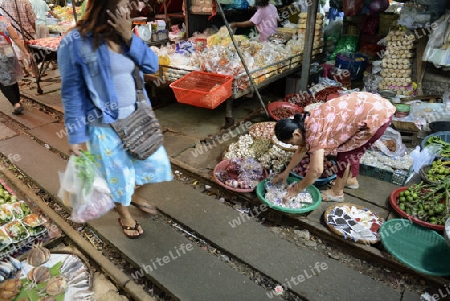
pixel 436 172
pixel 417 247
pixel 5 240
pixel 329 171
pixel 439 138
pixel 284 146
pixel 354 222
pixel 282 110
pixel 300 99
pixel 423 204
pixel 6 214
pixel 202 89
pixel 239 174
pixel 272 195
pixel 262 130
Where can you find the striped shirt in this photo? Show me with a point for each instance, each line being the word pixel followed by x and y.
pixel 27 15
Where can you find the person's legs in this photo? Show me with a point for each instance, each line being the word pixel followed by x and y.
pixel 12 93
pixel 348 166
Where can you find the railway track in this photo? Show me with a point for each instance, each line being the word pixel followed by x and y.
pixel 111 261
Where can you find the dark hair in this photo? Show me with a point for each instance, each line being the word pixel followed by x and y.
pixel 284 129
pixel 95 22
pixel 262 3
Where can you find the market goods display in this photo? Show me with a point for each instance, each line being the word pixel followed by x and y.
pixel 271 157
pixel 436 139
pixel 61 277
pixel 240 174
pixel 262 130
pixel 282 110
pixel 424 204
pixel 397 61
pixel 318 33
pixel 353 222
pixel 301 99
pixel 51 43
pixel 284 146
pixel 381 161
pixel 19 227
pixel 436 172
pixel 273 195
pixel 329 170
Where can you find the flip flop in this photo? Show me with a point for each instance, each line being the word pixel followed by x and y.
pixel 128 228
pixel 331 197
pixel 147 208
pixel 354 186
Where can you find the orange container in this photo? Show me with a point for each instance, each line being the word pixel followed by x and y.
pixel 202 89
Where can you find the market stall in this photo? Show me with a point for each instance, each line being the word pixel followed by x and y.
pixel 43 51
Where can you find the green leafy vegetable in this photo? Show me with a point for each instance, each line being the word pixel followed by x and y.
pixel 86 169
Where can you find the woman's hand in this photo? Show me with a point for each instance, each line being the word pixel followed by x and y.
pixel 121 22
pixel 76 149
pixel 280 178
pixel 292 192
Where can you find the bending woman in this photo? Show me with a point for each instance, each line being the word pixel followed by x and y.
pixel 344 127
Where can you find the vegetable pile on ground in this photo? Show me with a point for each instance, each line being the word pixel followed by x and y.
pixel 284 112
pixel 242 173
pixel 329 168
pixel 439 171
pixel 427 202
pixel 445 151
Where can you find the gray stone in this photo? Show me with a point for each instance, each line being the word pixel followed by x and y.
pixel 303 234
pixel 262 249
pixel 310 243
pixel 176 263
pixel 6 132
pixel 31 117
pixel 54 134
pixel 101 286
pixel 35 160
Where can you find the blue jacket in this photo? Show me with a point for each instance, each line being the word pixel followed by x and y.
pixel 87 88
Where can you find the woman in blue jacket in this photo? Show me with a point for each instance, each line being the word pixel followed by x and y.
pixel 96 61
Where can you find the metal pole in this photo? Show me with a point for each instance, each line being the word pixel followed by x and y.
pixel 74 10
pixel 309 43
pixel 242 58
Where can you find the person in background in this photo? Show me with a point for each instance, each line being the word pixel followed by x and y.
pixel 10 69
pixel 41 9
pixel 344 127
pixel 265 19
pixel 9 8
pixel 98 88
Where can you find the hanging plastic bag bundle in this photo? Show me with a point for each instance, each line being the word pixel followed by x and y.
pixel 83 188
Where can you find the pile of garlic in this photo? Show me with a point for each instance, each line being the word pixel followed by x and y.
pixel 271 157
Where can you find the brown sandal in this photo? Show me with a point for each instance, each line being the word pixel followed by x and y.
pixel 128 228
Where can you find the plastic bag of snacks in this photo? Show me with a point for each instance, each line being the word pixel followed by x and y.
pixel 83 188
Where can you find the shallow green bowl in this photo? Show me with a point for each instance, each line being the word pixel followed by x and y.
pixel 315 194
pixel 420 248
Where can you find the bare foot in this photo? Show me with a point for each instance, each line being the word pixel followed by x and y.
pixel 131 228
pixel 330 195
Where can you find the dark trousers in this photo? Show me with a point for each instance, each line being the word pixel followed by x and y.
pixel 11 93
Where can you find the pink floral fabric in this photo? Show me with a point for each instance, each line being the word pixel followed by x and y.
pixel 347 122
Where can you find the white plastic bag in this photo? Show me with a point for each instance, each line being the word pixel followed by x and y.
pixel 425 156
pixel 390 134
pixel 83 188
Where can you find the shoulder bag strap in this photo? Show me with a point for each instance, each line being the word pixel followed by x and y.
pixel 6 38
pixel 139 85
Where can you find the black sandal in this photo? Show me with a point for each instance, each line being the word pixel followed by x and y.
pixel 128 228
pixel 18 111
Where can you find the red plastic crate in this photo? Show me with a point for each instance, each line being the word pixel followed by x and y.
pixel 202 89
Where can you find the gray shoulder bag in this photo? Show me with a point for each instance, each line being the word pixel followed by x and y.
pixel 140 132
